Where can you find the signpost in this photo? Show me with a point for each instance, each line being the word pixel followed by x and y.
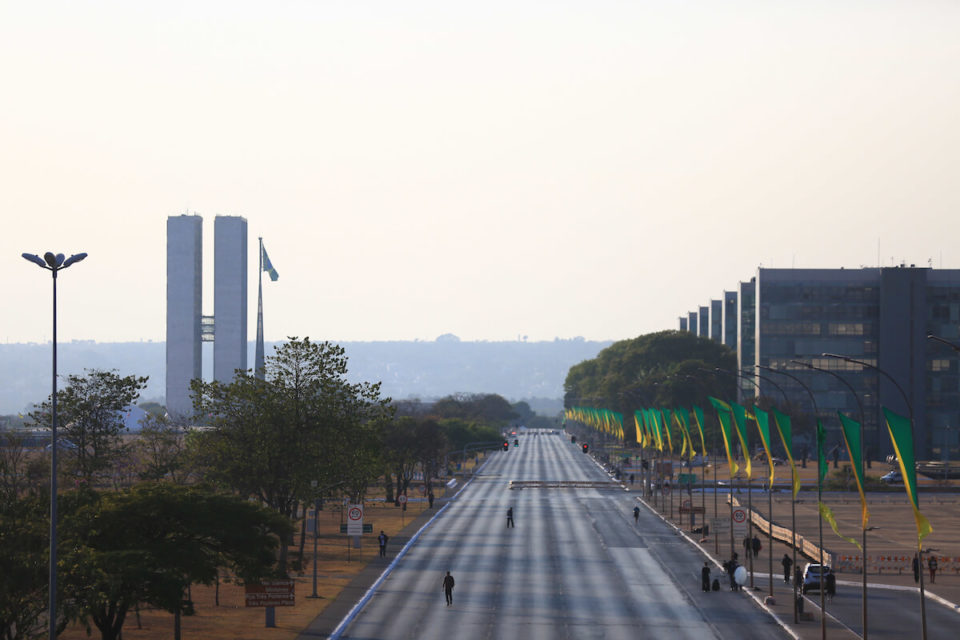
pixel 355 520
pixel 739 523
pixel 270 593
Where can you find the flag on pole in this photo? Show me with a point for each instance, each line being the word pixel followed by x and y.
pixel 267 265
pixel 726 427
pixel 828 516
pixel 851 438
pixel 822 466
pixel 786 436
pixel 666 429
pixel 698 414
pixel 901 433
pixel 740 419
pixel 762 418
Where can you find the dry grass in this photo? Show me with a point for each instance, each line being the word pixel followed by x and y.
pixel 231 620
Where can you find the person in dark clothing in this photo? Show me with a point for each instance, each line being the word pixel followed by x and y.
pixel 831 580
pixel 448 583
pixel 756 546
pixel 787 563
pixel 509 517
pixel 430 499
pixel 636 514
pixel 732 569
pixel 382 539
pixel 916 568
pixel 705 577
pixel 932 565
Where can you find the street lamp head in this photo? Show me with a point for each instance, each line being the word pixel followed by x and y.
pixel 53 261
pixel 77 257
pixel 37 260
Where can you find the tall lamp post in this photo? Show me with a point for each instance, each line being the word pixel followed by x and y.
pixel 862 473
pixel 923 604
pixel 53 263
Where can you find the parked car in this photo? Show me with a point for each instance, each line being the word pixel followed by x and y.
pixel 894 477
pixel 817 576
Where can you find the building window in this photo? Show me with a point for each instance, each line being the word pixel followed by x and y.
pixel 939 364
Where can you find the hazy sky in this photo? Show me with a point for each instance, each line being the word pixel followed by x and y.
pixel 490 169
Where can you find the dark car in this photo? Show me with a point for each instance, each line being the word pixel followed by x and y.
pixel 815 575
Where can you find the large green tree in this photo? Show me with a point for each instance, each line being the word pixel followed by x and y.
pixel 90 420
pixel 303 426
pixel 24 536
pixel 151 542
pixel 668 368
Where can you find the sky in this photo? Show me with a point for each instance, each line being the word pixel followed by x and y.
pixel 492 170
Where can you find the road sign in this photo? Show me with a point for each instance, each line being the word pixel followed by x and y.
pixel 367 528
pixel 355 520
pixel 739 522
pixel 719 525
pixel 270 593
pixel 686 478
pixel 687 507
pixel 402 499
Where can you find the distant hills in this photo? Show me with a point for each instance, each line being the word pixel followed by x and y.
pixel 530 371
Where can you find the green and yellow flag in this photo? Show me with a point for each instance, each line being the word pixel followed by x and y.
pixel 740 419
pixel 665 416
pixel 851 438
pixel 682 417
pixel 786 437
pixel 822 467
pixel 726 430
pixel 698 414
pixel 763 426
pixel 828 516
pixel 901 433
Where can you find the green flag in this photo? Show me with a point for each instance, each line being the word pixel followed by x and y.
pixel 822 465
pixel 267 265
pixel 828 516
pixel 851 438
pixel 740 418
pixel 901 433
pixel 698 414
pixel 786 437
pixel 763 426
pixel 726 429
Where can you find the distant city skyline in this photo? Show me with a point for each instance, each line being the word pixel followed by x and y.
pixel 497 171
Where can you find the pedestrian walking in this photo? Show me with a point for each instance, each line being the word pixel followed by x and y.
pixel 787 562
pixel 916 568
pixel 932 565
pixel 631 479
pixel 509 517
pixel 448 583
pixel 430 499
pixel 382 539
pixel 732 566
pixel 705 577
pixel 755 544
pixel 747 546
pixel 636 515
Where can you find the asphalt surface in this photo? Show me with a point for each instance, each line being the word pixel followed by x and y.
pixel 575 566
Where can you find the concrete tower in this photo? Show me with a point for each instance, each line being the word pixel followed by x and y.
pixel 229 296
pixel 184 286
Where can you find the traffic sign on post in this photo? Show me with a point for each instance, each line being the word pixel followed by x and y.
pixel 355 520
pixel 739 522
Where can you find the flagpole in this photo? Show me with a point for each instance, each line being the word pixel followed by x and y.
pixel 258 363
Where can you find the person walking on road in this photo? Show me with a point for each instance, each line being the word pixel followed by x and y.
pixel 636 515
pixel 382 539
pixel 787 563
pixel 705 577
pixel 430 499
pixel 932 565
pixel 756 546
pixel 510 518
pixel 448 588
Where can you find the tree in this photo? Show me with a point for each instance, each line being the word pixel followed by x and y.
pixel 24 537
pixel 161 449
pixel 302 424
pixel 90 419
pixel 151 542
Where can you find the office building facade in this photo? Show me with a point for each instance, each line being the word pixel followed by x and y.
pixel 229 296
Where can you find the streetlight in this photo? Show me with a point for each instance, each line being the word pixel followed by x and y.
pixel 923 604
pixel 53 263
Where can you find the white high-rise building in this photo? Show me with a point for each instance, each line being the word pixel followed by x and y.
pixel 184 287
pixel 229 296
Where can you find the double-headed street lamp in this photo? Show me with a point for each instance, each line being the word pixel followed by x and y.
pixel 53 263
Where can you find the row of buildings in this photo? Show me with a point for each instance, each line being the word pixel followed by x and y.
pixel 881 316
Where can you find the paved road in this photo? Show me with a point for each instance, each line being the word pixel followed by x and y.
pixel 576 566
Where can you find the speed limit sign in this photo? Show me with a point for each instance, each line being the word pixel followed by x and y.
pixel 402 499
pixel 739 522
pixel 355 520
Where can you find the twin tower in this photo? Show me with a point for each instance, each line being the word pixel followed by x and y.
pixel 187 327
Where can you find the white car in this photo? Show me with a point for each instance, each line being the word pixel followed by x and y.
pixel 894 477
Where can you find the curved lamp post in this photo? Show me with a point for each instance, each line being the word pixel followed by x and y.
pixel 53 263
pixel 862 475
pixel 923 604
